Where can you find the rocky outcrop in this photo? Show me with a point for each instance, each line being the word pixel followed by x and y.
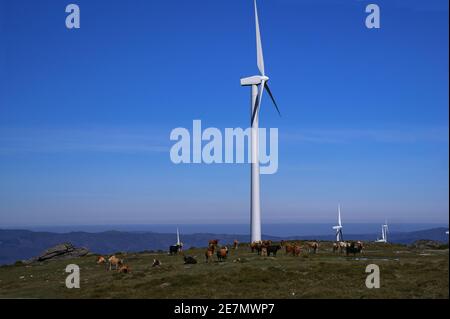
pixel 426 244
pixel 58 252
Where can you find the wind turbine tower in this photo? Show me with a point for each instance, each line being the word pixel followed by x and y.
pixel 258 84
pixel 384 232
pixel 338 227
pixel 178 238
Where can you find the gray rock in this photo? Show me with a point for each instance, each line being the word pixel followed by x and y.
pixel 58 252
pixel 426 244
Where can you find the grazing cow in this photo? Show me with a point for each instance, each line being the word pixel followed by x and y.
pixel 175 249
pixel 189 260
pixel 254 246
pixel 101 260
pixel 354 248
pixel 222 253
pixel 339 246
pixel 209 254
pixel 156 263
pixel 273 249
pixel 296 250
pixel 289 248
pixel 124 269
pixel 116 262
pixel 314 246
pixel 235 244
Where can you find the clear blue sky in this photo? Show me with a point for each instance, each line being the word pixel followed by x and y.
pixel 85 115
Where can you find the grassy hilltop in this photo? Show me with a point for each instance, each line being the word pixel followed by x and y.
pixel 405 273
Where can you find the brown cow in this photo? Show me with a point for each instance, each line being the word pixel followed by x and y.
pixel 339 246
pixel 289 248
pixel 296 250
pixel 235 244
pixel 113 260
pixel 124 269
pixel 314 246
pixel 101 260
pixel 222 253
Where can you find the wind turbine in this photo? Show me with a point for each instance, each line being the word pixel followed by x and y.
pixel 338 228
pixel 258 84
pixel 178 238
pixel 384 232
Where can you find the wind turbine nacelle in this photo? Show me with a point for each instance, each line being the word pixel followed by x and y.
pixel 337 227
pixel 254 80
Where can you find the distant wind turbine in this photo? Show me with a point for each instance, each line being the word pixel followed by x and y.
pixel 338 227
pixel 178 238
pixel 258 84
pixel 384 232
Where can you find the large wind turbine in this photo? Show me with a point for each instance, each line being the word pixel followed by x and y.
pixel 338 228
pixel 258 84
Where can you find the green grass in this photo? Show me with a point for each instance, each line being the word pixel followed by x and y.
pixel 405 273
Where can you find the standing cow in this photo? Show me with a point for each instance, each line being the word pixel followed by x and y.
pixel 222 253
pixel 289 248
pixel 313 246
pixel 273 249
pixel 296 250
pixel 354 248
pixel 175 249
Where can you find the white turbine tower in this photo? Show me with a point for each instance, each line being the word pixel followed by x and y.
pixel 258 84
pixel 338 227
pixel 178 238
pixel 384 232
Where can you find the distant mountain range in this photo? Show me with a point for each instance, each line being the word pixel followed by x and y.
pixel 23 244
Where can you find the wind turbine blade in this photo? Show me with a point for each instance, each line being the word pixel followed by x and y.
pixel 258 101
pixel 259 51
pixel 273 99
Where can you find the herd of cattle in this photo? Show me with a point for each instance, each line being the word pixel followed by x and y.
pixel 263 248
